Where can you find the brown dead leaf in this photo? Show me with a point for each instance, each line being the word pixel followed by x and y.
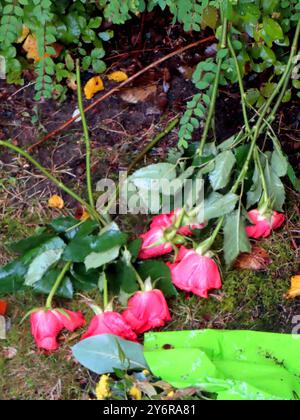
pixel 30 46
pixel 56 202
pixel 257 260
pixel 24 34
pixel 295 287
pixel 138 94
pixel 94 85
pixel 183 393
pixel 147 389
pixel 118 76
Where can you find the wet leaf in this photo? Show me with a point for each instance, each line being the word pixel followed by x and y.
pixel 31 48
pixel 118 76
pixel 94 85
pixel 257 260
pixel 138 94
pixel 295 287
pixel 56 202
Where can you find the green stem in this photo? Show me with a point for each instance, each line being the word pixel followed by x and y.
pixel 139 279
pixel 262 175
pixel 55 181
pixel 254 134
pixel 47 174
pixel 105 291
pixel 283 82
pixel 172 124
pixel 242 90
pixel 215 90
pixel 57 284
pixel 86 137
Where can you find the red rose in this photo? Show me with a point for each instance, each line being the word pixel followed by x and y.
pixel 47 324
pixel 195 273
pixel 110 323
pixel 156 234
pixel 147 310
pixel 263 225
pixel 150 249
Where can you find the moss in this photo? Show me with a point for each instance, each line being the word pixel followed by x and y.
pixel 248 300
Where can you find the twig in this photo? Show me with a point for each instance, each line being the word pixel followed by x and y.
pixel 120 86
pixel 172 124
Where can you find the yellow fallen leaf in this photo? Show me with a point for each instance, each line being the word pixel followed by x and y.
pixel 23 36
pixel 85 216
pixel 94 85
pixel 30 46
pixel 135 393
pixel 118 76
pixel 56 202
pixel 295 287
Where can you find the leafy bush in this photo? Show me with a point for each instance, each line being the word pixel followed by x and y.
pixel 77 26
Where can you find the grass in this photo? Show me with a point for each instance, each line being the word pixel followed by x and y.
pixel 249 300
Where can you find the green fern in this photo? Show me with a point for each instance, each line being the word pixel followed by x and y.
pixel 10 29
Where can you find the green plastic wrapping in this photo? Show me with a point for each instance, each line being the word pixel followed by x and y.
pixel 235 365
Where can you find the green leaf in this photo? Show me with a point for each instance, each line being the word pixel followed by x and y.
pixel 255 193
pixel 45 285
pixel 123 277
pixel 99 259
pixel 293 178
pixel 220 176
pixel 80 248
pixel 272 29
pixel 236 240
pixel 12 276
pixel 275 187
pixel 134 248
pixel 41 264
pixel 160 274
pixel 217 205
pixel 101 354
pixel 279 163
pixel 143 178
pixel 32 242
pixel 84 280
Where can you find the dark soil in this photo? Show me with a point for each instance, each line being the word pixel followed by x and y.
pixel 119 131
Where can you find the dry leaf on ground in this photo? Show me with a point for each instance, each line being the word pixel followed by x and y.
pixel 94 85
pixel 295 287
pixel 31 48
pixel 56 202
pixel 257 260
pixel 118 76
pixel 23 36
pixel 138 94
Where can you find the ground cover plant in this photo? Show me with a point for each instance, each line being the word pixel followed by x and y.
pixel 246 171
